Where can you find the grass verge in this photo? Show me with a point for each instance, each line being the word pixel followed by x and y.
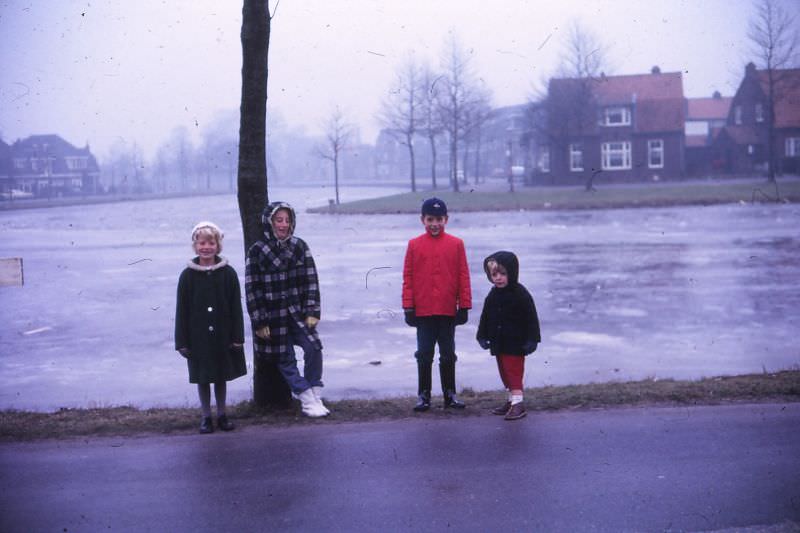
pixel 129 421
pixel 605 197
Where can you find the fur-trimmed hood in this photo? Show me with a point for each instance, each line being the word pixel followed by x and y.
pixel 269 212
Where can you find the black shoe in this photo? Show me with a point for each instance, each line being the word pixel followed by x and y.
pixel 516 412
pixel 502 409
pixel 452 401
pixel 206 426
pixel 423 402
pixel 224 424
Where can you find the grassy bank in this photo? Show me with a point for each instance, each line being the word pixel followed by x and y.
pixel 127 421
pixel 605 197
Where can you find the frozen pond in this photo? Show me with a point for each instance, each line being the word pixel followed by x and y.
pixel 623 294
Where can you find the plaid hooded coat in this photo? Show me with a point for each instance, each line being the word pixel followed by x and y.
pixel 281 287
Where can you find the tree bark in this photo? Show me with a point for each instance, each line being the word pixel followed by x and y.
pixel 269 387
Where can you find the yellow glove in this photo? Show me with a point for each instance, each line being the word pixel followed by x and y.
pixel 263 333
pixel 312 322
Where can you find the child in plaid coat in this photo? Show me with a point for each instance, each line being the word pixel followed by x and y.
pixel 284 305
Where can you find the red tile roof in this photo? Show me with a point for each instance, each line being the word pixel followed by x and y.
pixel 787 88
pixel 708 108
pixel 657 98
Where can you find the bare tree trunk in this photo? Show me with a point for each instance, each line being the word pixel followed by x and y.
pixel 336 175
pixel 269 387
pixel 433 161
pixel 410 144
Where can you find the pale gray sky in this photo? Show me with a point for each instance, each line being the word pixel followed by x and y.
pixel 96 71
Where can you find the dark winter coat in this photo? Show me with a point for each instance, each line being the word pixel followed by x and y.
pixel 208 320
pixel 282 287
pixel 509 320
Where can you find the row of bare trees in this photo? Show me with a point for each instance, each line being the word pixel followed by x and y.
pixel 424 103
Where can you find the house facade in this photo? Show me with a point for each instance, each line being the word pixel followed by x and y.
pixel 614 129
pixel 48 166
pixel 705 119
pixel 742 145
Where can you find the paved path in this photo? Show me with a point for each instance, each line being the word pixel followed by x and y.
pixel 637 469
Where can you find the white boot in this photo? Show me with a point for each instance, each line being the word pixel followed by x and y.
pixel 318 395
pixel 310 405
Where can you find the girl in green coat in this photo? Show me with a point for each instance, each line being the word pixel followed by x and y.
pixel 209 325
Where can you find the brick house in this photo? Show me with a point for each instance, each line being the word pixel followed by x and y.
pixel 705 118
pixel 614 129
pixel 47 165
pixel 742 143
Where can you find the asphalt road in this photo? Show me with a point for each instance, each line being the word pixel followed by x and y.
pixel 636 469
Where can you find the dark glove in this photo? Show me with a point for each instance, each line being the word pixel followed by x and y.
pixel 462 315
pixel 529 347
pixel 484 343
pixel 411 317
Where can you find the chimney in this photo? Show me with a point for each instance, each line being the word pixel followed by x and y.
pixel 716 95
pixel 750 69
pixel 655 70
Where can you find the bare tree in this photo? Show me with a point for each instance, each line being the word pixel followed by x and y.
pixel 571 101
pixel 337 136
pixel 773 35
pixel 269 387
pixel 459 95
pixel 430 119
pixel 400 110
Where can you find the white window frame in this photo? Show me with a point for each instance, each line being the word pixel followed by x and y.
pixel 610 114
pixel 655 149
pixel 759 112
pixel 792 147
pixel 611 151
pixel 737 115
pixel 576 157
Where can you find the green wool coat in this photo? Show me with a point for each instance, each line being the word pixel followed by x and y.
pixel 208 319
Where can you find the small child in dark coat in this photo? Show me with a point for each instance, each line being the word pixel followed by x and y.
pixel 209 323
pixel 509 328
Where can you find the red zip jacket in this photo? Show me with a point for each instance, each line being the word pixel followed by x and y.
pixel 436 275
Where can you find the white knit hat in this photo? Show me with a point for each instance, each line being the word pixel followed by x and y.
pixel 210 225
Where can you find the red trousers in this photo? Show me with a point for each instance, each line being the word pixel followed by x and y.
pixel 512 368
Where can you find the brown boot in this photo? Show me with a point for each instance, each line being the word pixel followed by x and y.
pixel 516 412
pixel 501 409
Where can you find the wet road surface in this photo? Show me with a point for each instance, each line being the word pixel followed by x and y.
pixel 637 469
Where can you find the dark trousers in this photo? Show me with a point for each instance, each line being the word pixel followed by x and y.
pixel 433 330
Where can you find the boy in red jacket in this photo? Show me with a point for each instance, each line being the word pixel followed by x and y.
pixel 436 299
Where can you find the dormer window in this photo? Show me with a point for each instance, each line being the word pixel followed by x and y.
pixel 759 112
pixel 616 116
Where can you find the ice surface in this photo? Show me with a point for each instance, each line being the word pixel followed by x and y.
pixel 622 294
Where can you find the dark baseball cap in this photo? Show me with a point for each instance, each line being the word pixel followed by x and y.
pixel 434 206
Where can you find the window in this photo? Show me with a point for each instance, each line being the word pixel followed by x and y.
pixel 19 163
pixel 76 162
pixel 655 153
pixel 759 112
pixel 576 157
pixel 544 159
pixel 616 155
pixel 616 116
pixel 793 147
pixel 737 114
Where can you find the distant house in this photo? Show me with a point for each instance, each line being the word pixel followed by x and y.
pixel 5 162
pixel 505 144
pixel 47 165
pixel 705 119
pixel 742 143
pixel 614 128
